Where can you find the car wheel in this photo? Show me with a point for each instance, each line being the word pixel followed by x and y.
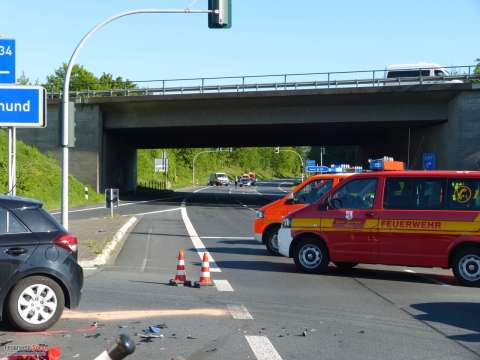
pixel 466 266
pixel 35 304
pixel 345 265
pixel 271 240
pixel 311 256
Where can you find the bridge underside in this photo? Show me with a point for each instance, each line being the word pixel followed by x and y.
pixel 403 122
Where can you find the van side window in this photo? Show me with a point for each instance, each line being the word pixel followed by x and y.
pixel 413 194
pixel 463 194
pixel 355 194
pixel 440 73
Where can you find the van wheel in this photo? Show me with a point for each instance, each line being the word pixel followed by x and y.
pixel 466 266
pixel 345 265
pixel 311 256
pixel 271 240
pixel 35 304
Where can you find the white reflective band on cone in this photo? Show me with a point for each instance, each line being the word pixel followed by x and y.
pixel 205 274
pixel 181 262
pixel 205 264
pixel 181 272
pixel 103 356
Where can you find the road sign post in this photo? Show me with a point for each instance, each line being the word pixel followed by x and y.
pixel 112 199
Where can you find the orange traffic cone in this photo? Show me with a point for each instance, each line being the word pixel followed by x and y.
pixel 181 276
pixel 205 278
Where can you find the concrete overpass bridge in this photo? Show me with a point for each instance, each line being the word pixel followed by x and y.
pixel 403 121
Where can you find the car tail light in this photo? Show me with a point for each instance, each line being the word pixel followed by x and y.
pixel 67 241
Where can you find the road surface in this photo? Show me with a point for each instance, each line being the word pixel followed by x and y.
pixel 261 307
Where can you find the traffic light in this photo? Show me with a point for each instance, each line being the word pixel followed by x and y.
pixel 276 150
pixel 222 19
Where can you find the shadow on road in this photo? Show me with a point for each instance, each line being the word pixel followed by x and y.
pixel 235 250
pixel 463 315
pixel 215 198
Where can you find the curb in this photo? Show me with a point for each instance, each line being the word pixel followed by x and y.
pixel 102 258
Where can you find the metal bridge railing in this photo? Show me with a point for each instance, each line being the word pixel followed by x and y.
pixel 229 84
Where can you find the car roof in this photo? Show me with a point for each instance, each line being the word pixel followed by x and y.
pixel 17 202
pixel 329 175
pixel 421 173
pixel 420 65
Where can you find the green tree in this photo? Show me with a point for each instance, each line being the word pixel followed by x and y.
pixel 83 79
pixel 23 80
pixel 477 69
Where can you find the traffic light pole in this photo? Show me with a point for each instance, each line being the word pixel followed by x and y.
pixel 301 160
pixel 66 89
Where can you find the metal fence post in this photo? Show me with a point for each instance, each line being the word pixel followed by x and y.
pixel 328 80
pixel 203 85
pixel 163 86
pixel 243 83
pixel 285 82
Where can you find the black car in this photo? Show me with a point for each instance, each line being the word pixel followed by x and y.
pixel 39 273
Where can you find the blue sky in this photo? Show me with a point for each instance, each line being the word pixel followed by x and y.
pixel 268 36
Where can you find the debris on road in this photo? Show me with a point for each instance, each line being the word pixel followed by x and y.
pixel 92 336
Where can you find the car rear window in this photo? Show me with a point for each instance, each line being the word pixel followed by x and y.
pixel 463 194
pixel 38 220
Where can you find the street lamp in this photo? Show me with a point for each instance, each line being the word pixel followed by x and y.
pixel 205 152
pixel 278 150
pixel 221 8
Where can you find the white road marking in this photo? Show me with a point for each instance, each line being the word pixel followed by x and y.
pixel 223 285
pixel 262 348
pixel 197 242
pixel 409 271
pixel 4 72
pixel 239 312
pixel 201 189
pixel 147 250
pixel 122 204
pixel 156 212
pixel 228 237
pixel 281 189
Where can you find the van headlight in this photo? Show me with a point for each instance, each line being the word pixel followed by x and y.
pixel 259 214
pixel 287 223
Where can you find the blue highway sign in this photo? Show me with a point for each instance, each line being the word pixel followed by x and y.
pixel 429 161
pixel 318 169
pixel 310 162
pixel 7 61
pixel 23 106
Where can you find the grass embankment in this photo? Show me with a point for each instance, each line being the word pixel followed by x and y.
pixel 38 177
pixel 263 161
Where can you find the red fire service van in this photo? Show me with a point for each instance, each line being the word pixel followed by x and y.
pixel 408 218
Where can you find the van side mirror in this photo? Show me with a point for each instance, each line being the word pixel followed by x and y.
pixel 290 199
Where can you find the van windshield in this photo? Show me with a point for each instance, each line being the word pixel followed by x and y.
pixel 313 191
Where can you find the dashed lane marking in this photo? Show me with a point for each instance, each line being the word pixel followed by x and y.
pixel 201 189
pixel 223 285
pixel 262 348
pixel 155 212
pixel 239 312
pixel 197 242
pixel 147 250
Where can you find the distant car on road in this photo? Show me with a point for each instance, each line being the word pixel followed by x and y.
pixel 39 273
pixel 246 181
pixel 218 179
pixel 410 74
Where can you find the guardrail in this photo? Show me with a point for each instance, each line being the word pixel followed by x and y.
pixel 325 80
